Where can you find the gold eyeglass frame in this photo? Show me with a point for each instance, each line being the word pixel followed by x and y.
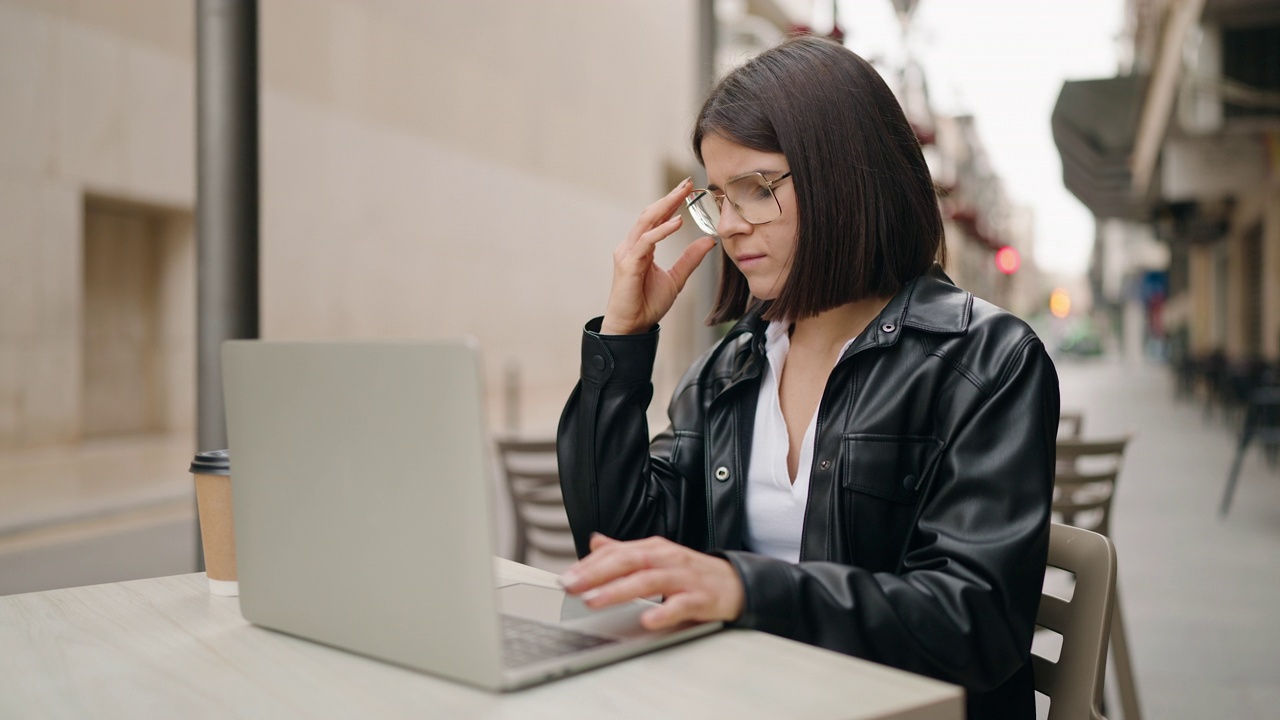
pixel 719 197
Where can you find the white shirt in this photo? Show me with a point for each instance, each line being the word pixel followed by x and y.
pixel 775 505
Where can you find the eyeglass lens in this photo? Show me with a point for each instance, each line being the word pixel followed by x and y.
pixel 750 195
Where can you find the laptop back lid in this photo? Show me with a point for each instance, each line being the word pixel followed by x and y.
pixel 360 488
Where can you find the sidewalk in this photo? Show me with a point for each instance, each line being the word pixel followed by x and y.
pixel 1199 592
pixel 111 510
pixel 103 511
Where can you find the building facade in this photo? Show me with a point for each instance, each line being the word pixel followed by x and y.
pixel 427 170
pixel 981 220
pixel 1183 151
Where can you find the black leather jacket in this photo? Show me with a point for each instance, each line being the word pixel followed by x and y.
pixel 926 531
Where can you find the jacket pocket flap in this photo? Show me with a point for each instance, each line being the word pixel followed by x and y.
pixel 892 467
pixel 687 453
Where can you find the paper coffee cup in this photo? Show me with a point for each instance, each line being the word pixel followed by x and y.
pixel 212 471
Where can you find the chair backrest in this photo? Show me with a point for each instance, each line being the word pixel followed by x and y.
pixel 1085 479
pixel 533 481
pixel 1070 424
pixel 1073 683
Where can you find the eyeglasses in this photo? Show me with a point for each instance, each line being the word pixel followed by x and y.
pixel 751 196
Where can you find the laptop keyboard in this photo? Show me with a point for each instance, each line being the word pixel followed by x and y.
pixel 527 641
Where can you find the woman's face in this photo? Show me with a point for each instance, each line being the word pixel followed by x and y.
pixel 762 253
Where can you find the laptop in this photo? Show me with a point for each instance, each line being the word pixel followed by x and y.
pixel 364 520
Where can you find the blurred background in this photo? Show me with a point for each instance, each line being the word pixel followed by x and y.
pixel 1107 170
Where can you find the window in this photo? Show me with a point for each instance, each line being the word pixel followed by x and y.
pixel 1251 71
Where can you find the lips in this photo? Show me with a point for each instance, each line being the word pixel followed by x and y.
pixel 745 261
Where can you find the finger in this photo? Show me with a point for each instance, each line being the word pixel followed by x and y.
pixel 593 569
pixel 641 584
pixel 604 565
pixel 645 245
pixel 690 259
pixel 619 559
pixel 662 209
pixel 676 609
pixel 599 540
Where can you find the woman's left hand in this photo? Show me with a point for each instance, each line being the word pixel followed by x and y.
pixel 695 586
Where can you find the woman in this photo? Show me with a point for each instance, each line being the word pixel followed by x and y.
pixel 865 461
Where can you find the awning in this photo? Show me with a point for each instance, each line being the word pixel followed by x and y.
pixel 1094 126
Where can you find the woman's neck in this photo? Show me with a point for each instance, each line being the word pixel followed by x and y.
pixel 829 330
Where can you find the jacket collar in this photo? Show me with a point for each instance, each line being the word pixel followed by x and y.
pixel 929 303
pixel 748 338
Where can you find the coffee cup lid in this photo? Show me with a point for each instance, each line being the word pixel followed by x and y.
pixel 213 462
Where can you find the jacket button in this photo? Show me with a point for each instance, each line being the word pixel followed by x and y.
pixel 824 464
pixel 598 362
pixel 722 473
pixel 888 327
pixel 909 483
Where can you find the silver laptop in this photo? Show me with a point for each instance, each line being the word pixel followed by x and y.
pixel 364 519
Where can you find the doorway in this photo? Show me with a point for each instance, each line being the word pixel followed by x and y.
pixel 138 351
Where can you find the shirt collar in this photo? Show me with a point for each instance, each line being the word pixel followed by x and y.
pixel 777 336
pixel 777 343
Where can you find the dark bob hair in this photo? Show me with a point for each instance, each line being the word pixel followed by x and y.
pixel 868 219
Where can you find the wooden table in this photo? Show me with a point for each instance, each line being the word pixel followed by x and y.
pixel 166 648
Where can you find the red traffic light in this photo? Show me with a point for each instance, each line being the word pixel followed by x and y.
pixel 1007 260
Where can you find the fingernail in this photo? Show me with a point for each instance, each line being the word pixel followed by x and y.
pixel 683 182
pixel 590 595
pixel 568 580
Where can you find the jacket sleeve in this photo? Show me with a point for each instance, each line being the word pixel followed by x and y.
pixel 614 480
pixel 963 608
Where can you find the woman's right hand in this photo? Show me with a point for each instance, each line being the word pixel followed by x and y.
pixel 643 292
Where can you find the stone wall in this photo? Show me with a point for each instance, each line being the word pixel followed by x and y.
pixel 428 170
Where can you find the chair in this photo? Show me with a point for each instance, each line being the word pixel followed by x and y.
pixel 1084 486
pixel 533 482
pixel 1181 362
pixel 1085 480
pixel 1073 682
pixel 1213 371
pixel 1070 424
pixel 1261 424
pixel 1240 379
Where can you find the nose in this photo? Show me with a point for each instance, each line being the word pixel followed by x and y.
pixel 731 223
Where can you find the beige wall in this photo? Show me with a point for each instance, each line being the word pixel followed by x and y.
pixel 94 97
pixel 1213 327
pixel 445 169
pixel 1254 209
pixel 428 170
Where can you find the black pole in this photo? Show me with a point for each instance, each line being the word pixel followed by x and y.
pixel 226 200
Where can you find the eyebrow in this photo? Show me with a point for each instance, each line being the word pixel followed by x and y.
pixel 762 171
